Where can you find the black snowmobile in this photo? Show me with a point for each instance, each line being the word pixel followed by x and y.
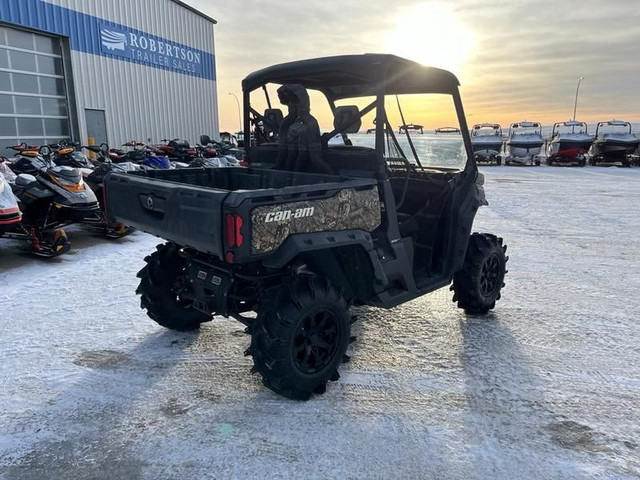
pixel 51 197
pixel 103 166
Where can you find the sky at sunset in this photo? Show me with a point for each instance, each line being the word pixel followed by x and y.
pixel 515 59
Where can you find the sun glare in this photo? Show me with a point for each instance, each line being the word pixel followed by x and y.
pixel 431 34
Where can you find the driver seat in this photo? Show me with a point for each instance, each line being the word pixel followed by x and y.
pixel 300 140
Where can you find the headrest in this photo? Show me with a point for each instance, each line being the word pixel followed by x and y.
pixel 273 118
pixel 346 119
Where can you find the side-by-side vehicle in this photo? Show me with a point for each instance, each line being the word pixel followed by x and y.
pixel 313 227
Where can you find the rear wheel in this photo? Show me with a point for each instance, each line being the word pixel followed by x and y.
pixel 165 290
pixel 477 286
pixel 300 336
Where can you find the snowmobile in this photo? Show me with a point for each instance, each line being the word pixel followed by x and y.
pixel 211 149
pixel 66 154
pixel 177 150
pixel 143 155
pixel 10 214
pixel 95 180
pixel 204 158
pixel 51 197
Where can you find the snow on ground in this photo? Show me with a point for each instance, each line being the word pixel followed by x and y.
pixel 547 386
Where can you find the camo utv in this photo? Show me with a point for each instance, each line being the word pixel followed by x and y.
pixel 318 221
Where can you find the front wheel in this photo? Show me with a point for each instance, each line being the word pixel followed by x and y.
pixel 300 336
pixel 477 286
pixel 165 291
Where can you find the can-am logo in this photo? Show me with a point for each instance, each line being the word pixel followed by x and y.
pixel 149 49
pixel 289 214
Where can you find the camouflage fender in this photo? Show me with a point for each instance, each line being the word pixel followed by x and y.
pixel 347 210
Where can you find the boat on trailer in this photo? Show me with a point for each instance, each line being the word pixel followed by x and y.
pixel 570 142
pixel 524 144
pixel 447 130
pixel 486 142
pixel 613 143
pixel 411 126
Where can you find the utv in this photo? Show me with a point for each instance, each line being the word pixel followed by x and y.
pixel 316 225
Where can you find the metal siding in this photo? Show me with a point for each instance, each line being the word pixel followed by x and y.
pixel 141 101
pixel 163 18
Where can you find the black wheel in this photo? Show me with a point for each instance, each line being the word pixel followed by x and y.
pixel 165 291
pixel 477 286
pixel 550 161
pixel 300 336
pixel 498 161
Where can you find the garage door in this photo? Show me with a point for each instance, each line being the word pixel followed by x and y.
pixel 33 101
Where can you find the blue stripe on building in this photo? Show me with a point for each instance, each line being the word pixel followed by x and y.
pixel 96 36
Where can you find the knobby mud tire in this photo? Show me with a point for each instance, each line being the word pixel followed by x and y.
pixel 300 336
pixel 477 286
pixel 158 289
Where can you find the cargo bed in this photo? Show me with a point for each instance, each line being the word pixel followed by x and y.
pixel 190 206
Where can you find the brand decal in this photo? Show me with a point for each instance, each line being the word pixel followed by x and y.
pixel 149 49
pixel 96 36
pixel 289 214
pixel 113 40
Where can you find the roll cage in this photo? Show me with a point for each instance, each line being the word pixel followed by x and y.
pixel 356 76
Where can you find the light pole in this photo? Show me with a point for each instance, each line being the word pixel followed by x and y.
pixel 575 104
pixel 239 115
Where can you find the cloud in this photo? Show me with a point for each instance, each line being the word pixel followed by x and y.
pixel 525 59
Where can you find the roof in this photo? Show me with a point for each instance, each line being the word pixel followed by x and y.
pixel 196 11
pixel 350 76
pixel 571 123
pixel 618 123
pixel 525 124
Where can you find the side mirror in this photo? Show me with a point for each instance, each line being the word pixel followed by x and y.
pixel 205 140
pixel 104 148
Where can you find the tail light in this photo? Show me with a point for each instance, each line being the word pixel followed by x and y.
pixel 233 231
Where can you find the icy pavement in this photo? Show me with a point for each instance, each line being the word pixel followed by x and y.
pixel 546 387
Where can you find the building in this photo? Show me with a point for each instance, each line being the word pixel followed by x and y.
pixel 105 70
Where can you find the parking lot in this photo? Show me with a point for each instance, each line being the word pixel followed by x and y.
pixel 546 386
